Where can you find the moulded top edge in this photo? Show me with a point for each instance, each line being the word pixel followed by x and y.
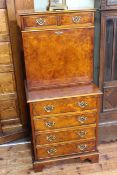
pixel 53 29
pixel 32 12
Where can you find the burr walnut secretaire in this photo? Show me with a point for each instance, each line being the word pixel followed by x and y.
pixel 64 103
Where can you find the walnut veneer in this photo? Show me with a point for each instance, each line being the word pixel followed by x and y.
pixel 64 104
pixel 68 42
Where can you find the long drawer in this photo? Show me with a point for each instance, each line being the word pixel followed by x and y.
pixel 64 121
pixel 64 105
pixel 77 133
pixel 62 149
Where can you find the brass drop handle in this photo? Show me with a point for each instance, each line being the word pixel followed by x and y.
pixel 82 119
pixel 48 108
pixel 82 104
pixel 51 151
pixel 40 21
pixel 76 19
pixel 82 147
pixel 51 138
pixel 82 133
pixel 50 124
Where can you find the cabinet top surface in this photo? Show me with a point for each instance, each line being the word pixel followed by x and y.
pixel 66 92
pixel 33 12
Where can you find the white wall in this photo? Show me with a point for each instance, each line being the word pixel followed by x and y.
pixel 80 4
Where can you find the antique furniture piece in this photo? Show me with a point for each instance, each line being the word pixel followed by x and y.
pixel 64 103
pixel 12 104
pixel 106 131
pixel 108 66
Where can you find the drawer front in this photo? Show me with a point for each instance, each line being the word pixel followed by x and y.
pixel 64 105
pixel 65 149
pixel 3 21
pixel 50 123
pixel 66 135
pixel 9 109
pixel 5 53
pixel 39 21
pixel 85 18
pixel 7 83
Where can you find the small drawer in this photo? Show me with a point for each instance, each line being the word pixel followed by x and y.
pixel 5 53
pixel 9 110
pixel 7 83
pixel 64 105
pixel 70 134
pixel 68 120
pixel 62 149
pixel 82 19
pixel 39 21
pixel 3 21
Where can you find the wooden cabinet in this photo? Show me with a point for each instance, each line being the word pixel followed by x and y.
pixel 64 103
pixel 108 64
pixel 12 125
pixel 43 72
pixel 67 119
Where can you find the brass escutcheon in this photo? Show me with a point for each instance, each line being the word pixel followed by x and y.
pixel 59 32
